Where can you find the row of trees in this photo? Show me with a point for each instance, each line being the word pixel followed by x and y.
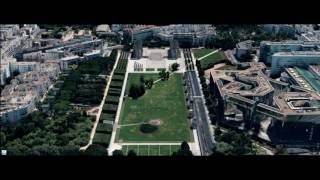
pixel 138 90
pixel 232 143
pixel 164 75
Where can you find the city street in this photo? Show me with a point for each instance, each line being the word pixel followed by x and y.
pixel 201 119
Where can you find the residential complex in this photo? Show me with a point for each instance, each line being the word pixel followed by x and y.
pixel 20 97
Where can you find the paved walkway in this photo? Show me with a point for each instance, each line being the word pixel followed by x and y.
pixel 208 54
pixel 124 125
pixel 101 105
pixel 112 145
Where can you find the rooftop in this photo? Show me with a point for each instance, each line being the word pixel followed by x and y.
pixel 298 53
pixel 249 82
pixel 293 103
pixel 245 44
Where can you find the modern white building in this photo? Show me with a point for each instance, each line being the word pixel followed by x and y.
pixel 91 55
pixel 140 32
pixel 4 73
pixel 13 108
pixel 268 48
pixel 279 28
pixel 67 61
pixel 194 34
pixel 19 98
pixel 282 60
pixel 43 55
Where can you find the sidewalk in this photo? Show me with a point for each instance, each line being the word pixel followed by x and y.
pixel 116 122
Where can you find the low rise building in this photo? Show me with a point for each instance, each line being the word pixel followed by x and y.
pixel 268 48
pixel 243 48
pixel 282 60
pixel 69 60
pixel 23 67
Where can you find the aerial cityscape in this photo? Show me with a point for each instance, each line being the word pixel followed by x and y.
pixel 159 90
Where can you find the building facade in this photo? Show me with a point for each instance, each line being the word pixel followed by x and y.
pixel 282 60
pixel 268 48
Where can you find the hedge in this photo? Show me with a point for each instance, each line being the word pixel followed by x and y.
pixel 109 108
pixel 107 116
pixel 160 69
pixel 112 99
pixel 102 139
pixel 104 128
pixel 150 69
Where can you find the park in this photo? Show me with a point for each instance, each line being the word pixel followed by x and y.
pixel 164 103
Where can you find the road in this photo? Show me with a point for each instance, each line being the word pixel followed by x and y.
pixel 201 118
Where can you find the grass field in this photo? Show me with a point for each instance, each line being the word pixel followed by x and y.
pixel 214 58
pixel 151 150
pixel 165 101
pixel 198 53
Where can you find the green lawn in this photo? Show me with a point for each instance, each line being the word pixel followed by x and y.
pixel 165 101
pixel 214 58
pixel 143 150
pixel 198 53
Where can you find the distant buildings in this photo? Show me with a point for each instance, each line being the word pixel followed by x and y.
pixel 310 36
pixel 190 34
pixel 69 60
pixel 137 50
pixel 268 48
pixel 279 28
pixel 174 52
pixel 140 32
pixel 4 73
pixel 39 55
pixel 10 65
pixel 281 60
pixel 19 98
pixel 23 67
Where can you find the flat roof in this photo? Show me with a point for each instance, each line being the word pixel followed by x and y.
pixel 69 58
pixel 250 82
pixel 312 78
pixel 298 53
pixel 303 103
